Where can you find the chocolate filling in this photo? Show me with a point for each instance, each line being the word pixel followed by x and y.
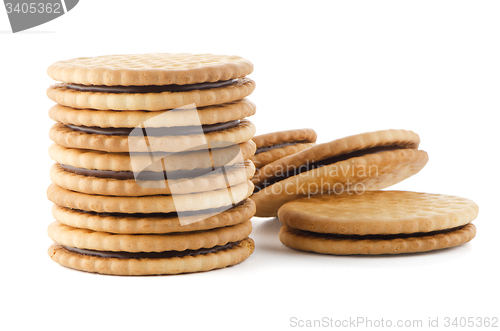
pixel 269 148
pixel 381 236
pixel 321 163
pixel 211 211
pixel 151 88
pixel 150 255
pixel 156 132
pixel 145 175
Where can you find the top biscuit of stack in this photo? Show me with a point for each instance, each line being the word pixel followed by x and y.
pixel 150 70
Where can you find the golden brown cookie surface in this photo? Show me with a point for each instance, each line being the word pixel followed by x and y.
pixel 223 113
pixel 313 242
pixel 150 69
pixel 67 137
pixel 152 223
pixel 90 159
pixel 377 222
pixel 149 204
pixel 61 94
pixel 369 142
pixel 289 136
pixel 369 172
pixel 213 180
pixel 378 212
pixel 179 241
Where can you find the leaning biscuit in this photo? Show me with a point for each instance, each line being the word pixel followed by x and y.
pixel 402 139
pixel 369 172
pixel 369 161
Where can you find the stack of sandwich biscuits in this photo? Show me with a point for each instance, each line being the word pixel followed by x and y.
pixel 152 172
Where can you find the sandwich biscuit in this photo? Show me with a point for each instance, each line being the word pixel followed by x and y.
pixel 377 222
pixel 276 145
pixel 368 161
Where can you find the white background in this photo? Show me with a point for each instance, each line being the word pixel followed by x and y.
pixel 339 67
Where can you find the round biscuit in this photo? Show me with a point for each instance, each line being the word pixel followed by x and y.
pixel 223 113
pixel 131 188
pixel 151 224
pixel 64 136
pixel 346 145
pixel 378 213
pixel 265 158
pixel 312 242
pixel 89 159
pixel 150 204
pixel 150 69
pixel 143 267
pixel 364 173
pixel 179 241
pixel 289 136
pixel 65 96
